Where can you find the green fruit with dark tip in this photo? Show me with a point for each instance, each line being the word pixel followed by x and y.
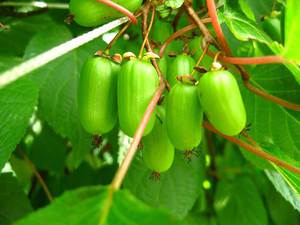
pixel 97 95
pixel 272 26
pixel 182 65
pixel 90 13
pixel 184 117
pixel 221 99
pixel 137 84
pixel 158 151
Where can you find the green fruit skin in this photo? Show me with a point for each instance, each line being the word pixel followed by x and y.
pixel 97 95
pixel 184 117
pixel 220 97
pixel 196 52
pixel 158 151
pixel 90 13
pixel 161 31
pixel 182 65
pixel 163 66
pixel 137 84
pixel 272 26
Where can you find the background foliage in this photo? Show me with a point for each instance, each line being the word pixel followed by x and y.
pixel 225 185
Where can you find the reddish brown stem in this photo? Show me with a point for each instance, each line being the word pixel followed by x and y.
pixel 252 60
pixel 121 9
pixel 191 12
pixel 146 35
pixel 180 33
pixel 255 150
pixel 270 97
pixel 37 174
pixel 117 181
pixel 120 174
pixel 212 12
pixel 272 59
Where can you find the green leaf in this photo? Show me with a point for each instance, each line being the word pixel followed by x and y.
pixel 260 8
pixel 48 151
pixel 282 212
pixel 243 28
pixel 285 188
pixel 196 219
pixel 177 189
pixel 292 30
pixel 17 104
pixel 18 33
pixel 59 81
pixel 87 205
pixel 174 4
pixel 13 201
pixel 239 203
pixel 241 5
pixel 270 121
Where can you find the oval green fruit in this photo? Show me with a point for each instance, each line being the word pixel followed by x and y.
pixel 220 97
pixel 97 95
pixel 182 65
pixel 158 152
pixel 137 84
pixel 163 66
pixel 184 117
pixel 90 13
pixel 272 26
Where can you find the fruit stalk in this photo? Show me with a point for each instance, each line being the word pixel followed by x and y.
pixel 212 11
pixel 180 33
pixel 121 9
pixel 120 174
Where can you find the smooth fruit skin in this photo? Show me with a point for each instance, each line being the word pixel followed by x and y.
pixel 97 95
pixel 158 151
pixel 90 13
pixel 137 84
pixel 272 26
pixel 182 65
pixel 184 117
pixel 220 97
pixel 163 66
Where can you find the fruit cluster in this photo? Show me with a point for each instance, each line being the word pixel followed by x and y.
pixel 111 91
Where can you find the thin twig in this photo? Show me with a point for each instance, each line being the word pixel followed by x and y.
pixel 212 11
pixel 180 33
pixel 200 58
pixel 272 98
pixel 121 172
pixel 121 9
pixel 271 59
pixel 38 176
pixel 147 33
pixel 206 33
pixel 119 34
pixel 255 150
